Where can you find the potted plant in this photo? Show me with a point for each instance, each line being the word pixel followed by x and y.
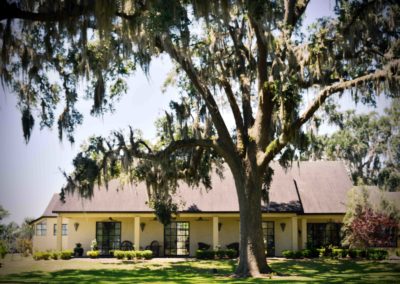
pixel 78 250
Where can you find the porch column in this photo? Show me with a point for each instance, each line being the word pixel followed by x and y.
pixel 215 232
pixel 59 233
pixel 294 234
pixel 137 233
pixel 304 233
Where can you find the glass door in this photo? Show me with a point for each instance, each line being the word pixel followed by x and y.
pixel 269 237
pixel 176 239
pixel 108 236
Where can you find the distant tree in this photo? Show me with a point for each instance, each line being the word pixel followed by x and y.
pixel 369 144
pixel 247 56
pixel 366 225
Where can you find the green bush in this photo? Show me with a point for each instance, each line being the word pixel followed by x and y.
pixel 205 254
pixel 288 253
pixel 220 254
pixel 339 253
pixel 119 254
pixel 377 254
pixel 139 254
pixel 46 255
pixel 130 254
pixel 298 254
pixel 357 253
pixel 55 255
pixel 66 254
pixel 38 255
pixel 147 254
pixel 3 249
pixel 231 253
pixel 93 253
pixel 398 252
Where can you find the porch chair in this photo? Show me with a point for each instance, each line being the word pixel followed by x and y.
pixel 126 245
pixel 155 248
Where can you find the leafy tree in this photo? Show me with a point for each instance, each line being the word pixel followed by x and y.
pixel 366 225
pixel 367 143
pixel 251 55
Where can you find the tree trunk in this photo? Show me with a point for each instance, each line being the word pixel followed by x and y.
pixel 252 259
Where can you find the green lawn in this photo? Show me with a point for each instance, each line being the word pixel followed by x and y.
pixel 160 271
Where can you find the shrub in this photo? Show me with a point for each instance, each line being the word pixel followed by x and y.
pixel 119 254
pixel 147 254
pixel 288 253
pixel 298 254
pixel 130 254
pixel 55 255
pixel 46 255
pixel 111 252
pixel 66 254
pixel 306 253
pixel 219 254
pixel 3 249
pixel 231 253
pixel 357 253
pixel 93 253
pixel 205 254
pixel 139 254
pixel 24 246
pixel 398 252
pixel 377 254
pixel 38 255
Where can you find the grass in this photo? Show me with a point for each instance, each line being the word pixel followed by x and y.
pixel 160 271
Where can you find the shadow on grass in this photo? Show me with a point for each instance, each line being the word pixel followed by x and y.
pixel 340 270
pixel 315 271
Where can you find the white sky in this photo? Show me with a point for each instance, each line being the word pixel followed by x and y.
pixel 30 175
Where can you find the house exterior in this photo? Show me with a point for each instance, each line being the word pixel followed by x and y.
pixel 307 203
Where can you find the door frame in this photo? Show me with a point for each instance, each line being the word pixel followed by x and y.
pixel 108 235
pixel 188 240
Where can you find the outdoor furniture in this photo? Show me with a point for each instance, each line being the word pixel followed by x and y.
pixel 203 246
pixel 126 245
pixel 155 248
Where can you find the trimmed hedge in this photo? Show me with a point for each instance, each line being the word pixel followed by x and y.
pixel 216 254
pixel 93 253
pixel 132 254
pixel 372 254
pixel 66 254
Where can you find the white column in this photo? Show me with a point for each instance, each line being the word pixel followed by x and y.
pixel 294 234
pixel 137 233
pixel 59 233
pixel 303 233
pixel 215 233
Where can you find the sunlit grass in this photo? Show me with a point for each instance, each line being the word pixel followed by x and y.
pixel 27 270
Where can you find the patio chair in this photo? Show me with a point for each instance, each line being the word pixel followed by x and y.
pixel 155 248
pixel 203 246
pixel 126 245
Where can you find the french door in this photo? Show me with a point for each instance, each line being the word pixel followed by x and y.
pixel 108 236
pixel 176 239
pixel 269 237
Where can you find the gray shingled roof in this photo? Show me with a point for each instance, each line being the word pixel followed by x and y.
pixel 322 187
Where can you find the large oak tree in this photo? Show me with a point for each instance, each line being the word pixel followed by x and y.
pixel 246 56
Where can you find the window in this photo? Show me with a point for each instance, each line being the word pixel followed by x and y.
pixel 64 230
pixel 41 229
pixel 323 234
pixel 176 239
pixel 269 237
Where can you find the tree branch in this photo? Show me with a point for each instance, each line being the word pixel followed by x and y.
pixel 163 42
pixel 391 70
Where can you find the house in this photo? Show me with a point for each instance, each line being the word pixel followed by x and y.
pixel 307 204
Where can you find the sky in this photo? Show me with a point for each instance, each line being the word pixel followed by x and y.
pixel 30 173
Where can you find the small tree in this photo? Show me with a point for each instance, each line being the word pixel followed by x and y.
pixel 366 226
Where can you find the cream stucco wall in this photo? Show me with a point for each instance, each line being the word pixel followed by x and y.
pixel 200 231
pixel 49 241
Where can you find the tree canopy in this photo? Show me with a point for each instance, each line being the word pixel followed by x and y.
pixel 367 143
pixel 249 57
